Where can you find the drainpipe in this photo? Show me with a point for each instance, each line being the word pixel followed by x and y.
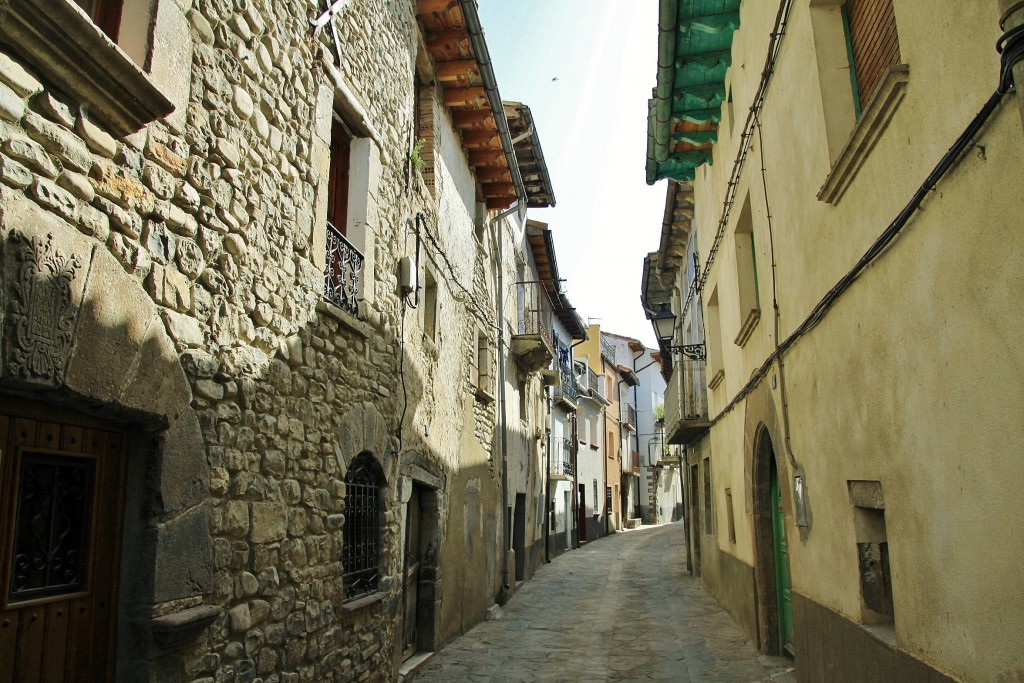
pixel 502 394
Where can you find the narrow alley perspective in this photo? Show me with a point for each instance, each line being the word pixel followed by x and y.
pixel 306 376
pixel 624 609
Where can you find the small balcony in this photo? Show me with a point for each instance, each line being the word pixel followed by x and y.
pixel 567 394
pixel 686 403
pixel 592 386
pixel 532 345
pixel 342 273
pixel 629 417
pixel 560 463
pixel 608 350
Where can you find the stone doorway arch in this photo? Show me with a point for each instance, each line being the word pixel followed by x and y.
pixel 81 339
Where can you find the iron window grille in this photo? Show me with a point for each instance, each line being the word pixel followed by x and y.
pixel 361 550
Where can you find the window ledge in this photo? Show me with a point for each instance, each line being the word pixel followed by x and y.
pixel 362 603
pixel 483 395
pixel 59 41
pixel 748 327
pixel 344 317
pixel 873 122
pixel 716 379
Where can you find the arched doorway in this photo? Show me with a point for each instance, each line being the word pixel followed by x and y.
pixel 772 578
pixel 103 468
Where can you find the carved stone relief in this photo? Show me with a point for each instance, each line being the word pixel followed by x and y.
pixel 43 311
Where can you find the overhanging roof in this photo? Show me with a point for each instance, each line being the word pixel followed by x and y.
pixel 656 288
pixel 543 249
pixel 530 156
pixel 694 52
pixel 455 40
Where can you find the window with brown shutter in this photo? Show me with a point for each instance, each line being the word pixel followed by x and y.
pixel 337 182
pixel 873 44
pixel 105 13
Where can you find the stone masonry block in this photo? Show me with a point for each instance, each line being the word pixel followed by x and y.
pixel 269 522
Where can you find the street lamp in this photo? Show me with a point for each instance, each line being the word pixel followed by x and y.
pixel 665 326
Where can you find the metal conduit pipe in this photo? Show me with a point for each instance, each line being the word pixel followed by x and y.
pixel 502 394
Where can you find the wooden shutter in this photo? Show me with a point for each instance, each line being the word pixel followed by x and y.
pixel 876 45
pixel 337 182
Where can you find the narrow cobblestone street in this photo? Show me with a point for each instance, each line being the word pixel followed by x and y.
pixel 619 609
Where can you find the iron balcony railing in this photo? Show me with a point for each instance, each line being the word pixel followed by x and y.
pixel 686 405
pixel 569 390
pixel 629 414
pixel 694 395
pixel 561 457
pixel 608 350
pixel 595 383
pixel 535 311
pixel 344 268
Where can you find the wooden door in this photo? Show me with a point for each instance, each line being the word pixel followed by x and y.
pixel 781 567
pixel 412 572
pixel 61 487
pixel 695 520
pixel 581 514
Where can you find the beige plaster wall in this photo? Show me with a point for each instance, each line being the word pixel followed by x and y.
pixel 915 377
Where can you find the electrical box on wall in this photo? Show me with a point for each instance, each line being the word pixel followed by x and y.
pixel 406 275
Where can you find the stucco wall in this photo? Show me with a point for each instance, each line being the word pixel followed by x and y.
pixel 911 379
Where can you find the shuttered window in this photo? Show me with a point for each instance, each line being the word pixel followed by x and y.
pixel 105 13
pixel 873 44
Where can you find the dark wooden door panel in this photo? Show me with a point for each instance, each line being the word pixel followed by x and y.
pixel 60 630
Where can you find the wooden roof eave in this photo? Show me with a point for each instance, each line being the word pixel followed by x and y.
pixel 454 39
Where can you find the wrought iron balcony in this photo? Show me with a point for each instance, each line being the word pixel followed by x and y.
pixel 344 268
pixel 568 394
pixel 686 402
pixel 560 463
pixel 592 385
pixel 608 350
pixel 532 345
pixel 629 417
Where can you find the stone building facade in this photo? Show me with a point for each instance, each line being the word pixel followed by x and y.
pixel 252 314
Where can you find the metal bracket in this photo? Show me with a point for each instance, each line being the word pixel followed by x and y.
pixel 326 19
pixel 692 351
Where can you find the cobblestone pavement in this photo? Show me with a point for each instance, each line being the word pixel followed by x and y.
pixel 620 609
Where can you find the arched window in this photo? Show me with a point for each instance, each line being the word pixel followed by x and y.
pixel 361 553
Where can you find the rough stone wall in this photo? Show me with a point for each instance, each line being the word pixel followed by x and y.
pixel 214 219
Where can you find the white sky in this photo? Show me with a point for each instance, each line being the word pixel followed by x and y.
pixel 592 124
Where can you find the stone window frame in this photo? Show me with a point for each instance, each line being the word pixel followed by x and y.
pixel 337 102
pixel 748 294
pixel 482 367
pixel 429 312
pixel 850 135
pixel 123 85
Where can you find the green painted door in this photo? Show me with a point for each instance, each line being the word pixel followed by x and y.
pixel 781 567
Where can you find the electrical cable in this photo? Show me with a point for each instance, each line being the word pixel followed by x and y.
pixel 1011 48
pixel 401 374
pixel 481 313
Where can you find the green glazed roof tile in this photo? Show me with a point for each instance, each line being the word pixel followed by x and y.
pixel 694 53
